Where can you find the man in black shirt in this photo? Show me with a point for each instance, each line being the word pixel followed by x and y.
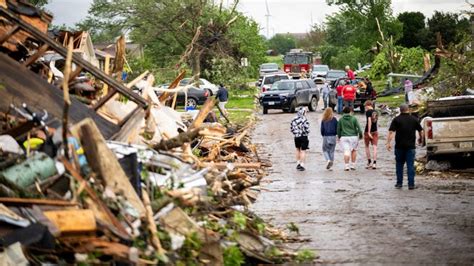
pixel 404 127
pixel 222 96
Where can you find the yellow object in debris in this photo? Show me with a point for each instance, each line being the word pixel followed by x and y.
pixel 34 143
pixel 80 151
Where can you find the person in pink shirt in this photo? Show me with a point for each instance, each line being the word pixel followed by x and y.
pixel 350 74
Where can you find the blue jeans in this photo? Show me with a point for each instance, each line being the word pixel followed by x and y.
pixel 349 104
pixel 403 156
pixel 325 100
pixel 339 104
pixel 329 145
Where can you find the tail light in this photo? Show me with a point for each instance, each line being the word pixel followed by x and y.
pixel 264 89
pixel 429 125
pixel 287 69
pixel 206 93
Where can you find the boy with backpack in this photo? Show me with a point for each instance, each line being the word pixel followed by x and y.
pixel 300 130
pixel 371 135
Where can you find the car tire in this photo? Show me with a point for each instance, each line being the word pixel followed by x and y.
pixel 191 102
pixel 313 104
pixel 210 93
pixel 293 106
pixel 265 110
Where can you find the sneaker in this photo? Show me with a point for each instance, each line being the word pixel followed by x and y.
pixel 412 187
pixel 368 166
pixel 346 168
pixel 374 166
pixel 301 168
pixel 353 167
pixel 398 185
pixel 298 166
pixel 330 163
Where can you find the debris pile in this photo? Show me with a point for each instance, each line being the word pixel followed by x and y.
pixel 131 181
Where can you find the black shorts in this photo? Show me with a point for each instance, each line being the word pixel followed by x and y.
pixel 302 143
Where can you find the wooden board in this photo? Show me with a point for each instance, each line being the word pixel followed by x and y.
pixel 72 221
pixel 104 162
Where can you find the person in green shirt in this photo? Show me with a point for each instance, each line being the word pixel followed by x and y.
pixel 349 133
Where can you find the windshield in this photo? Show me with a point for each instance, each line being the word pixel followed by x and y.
pixel 184 81
pixel 273 79
pixel 283 86
pixel 297 59
pixel 269 66
pixel 320 68
pixel 336 74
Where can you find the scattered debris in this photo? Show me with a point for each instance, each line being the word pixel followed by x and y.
pixel 117 181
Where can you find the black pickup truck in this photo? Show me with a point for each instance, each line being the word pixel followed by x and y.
pixel 361 96
pixel 289 94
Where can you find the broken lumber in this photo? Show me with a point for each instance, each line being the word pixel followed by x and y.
pixel 205 109
pixel 72 221
pixel 29 202
pixel 177 141
pixel 224 165
pixel 155 241
pixel 103 162
pixel 174 84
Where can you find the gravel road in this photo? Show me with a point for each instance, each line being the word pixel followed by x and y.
pixel 358 216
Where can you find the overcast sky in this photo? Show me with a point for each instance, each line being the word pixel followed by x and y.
pixel 286 15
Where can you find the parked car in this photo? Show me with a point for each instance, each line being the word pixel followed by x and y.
pixel 203 84
pixel 196 96
pixel 268 80
pixel 361 97
pixel 333 75
pixel 319 71
pixel 268 68
pixel 289 94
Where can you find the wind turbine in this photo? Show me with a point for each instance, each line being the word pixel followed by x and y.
pixel 268 19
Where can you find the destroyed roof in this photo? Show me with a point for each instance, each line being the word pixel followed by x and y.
pixel 22 7
pixel 19 85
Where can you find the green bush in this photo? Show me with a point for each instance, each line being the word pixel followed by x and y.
pixel 380 67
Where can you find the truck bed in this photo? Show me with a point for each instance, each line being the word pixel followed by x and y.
pixel 450 135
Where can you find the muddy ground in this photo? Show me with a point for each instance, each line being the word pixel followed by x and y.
pixel 358 216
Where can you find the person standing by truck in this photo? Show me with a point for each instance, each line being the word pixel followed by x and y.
pixel 371 136
pixel 329 133
pixel 404 127
pixel 350 74
pixel 300 128
pixel 340 100
pixel 349 133
pixel 349 94
pixel 222 96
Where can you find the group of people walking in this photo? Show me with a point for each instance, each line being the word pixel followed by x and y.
pixel 347 132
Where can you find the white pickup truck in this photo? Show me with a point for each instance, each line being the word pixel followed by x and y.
pixel 449 128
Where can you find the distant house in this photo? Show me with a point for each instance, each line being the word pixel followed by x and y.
pixel 132 49
pixel 82 43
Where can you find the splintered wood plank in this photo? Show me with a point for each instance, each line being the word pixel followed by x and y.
pixel 72 221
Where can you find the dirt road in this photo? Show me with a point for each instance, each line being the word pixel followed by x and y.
pixel 358 216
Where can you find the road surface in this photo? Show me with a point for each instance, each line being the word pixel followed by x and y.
pixel 358 216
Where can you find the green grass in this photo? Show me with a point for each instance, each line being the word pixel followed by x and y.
pixel 241 103
pixel 240 117
pixel 392 100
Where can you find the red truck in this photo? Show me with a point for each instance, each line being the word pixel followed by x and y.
pixel 297 62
